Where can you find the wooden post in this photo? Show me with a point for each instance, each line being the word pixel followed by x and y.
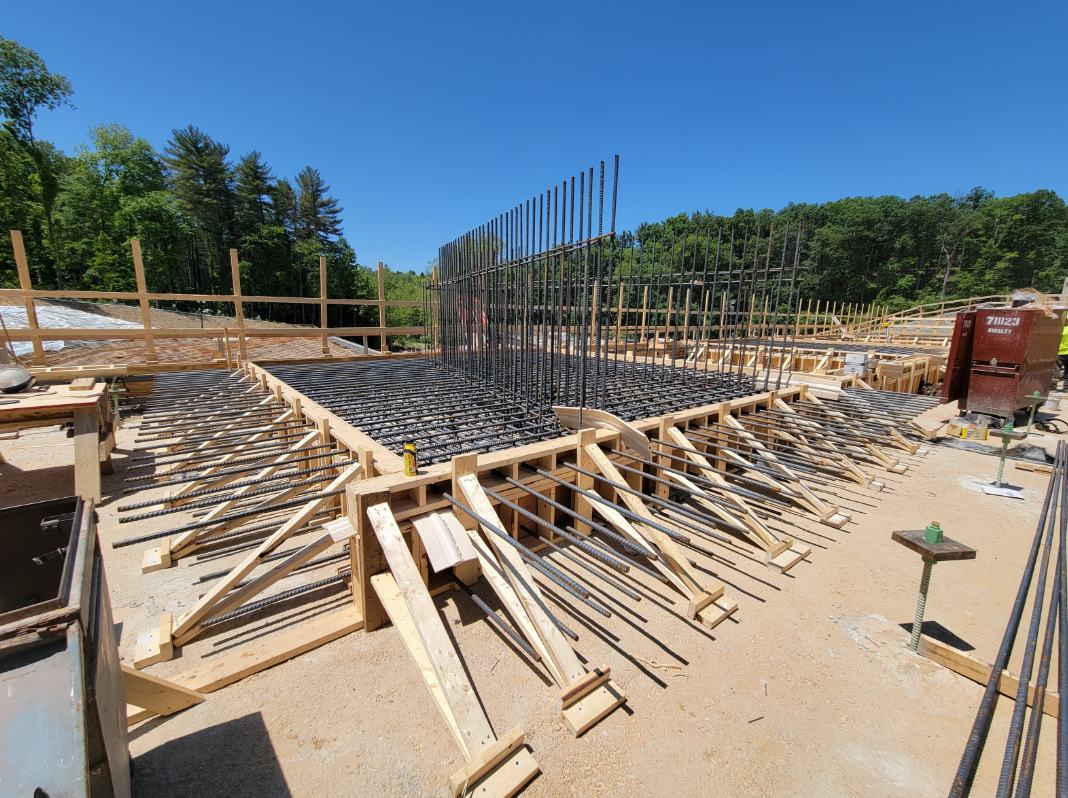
pixel 583 438
pixel 703 328
pixel 367 559
pixel 381 308
pixel 462 465
pixel 666 423
pixel 239 310
pixel 324 321
pixel 26 285
pixel 146 315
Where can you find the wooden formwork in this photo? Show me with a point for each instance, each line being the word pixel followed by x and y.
pixel 389 520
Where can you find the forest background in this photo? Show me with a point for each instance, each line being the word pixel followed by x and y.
pixel 191 201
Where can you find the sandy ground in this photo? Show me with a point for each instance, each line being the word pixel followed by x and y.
pixel 807 690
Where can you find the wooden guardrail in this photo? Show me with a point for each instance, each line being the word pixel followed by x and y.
pixel 36 334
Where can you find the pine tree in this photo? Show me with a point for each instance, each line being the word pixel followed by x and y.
pixel 202 179
pixel 318 215
pixel 254 186
pixel 284 206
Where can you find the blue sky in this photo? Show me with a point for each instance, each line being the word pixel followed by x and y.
pixel 427 119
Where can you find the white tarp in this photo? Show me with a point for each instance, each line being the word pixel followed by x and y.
pixel 61 318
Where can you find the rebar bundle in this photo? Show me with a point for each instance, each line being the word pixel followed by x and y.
pixel 1021 746
pixel 524 305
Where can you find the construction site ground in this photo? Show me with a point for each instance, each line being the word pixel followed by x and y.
pixel 809 689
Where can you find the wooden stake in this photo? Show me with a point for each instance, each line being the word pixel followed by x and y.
pixel 324 321
pixel 26 285
pixel 382 308
pixel 239 310
pixel 146 315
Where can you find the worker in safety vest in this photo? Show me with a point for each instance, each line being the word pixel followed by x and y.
pixel 1062 353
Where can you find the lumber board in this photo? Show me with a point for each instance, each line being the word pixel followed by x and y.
pixel 979 671
pixel 238 597
pixel 215 673
pixel 188 538
pixel 474 729
pixel 386 462
pixel 389 594
pixel 508 777
pixel 158 696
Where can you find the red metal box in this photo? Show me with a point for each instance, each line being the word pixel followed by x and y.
pixel 1014 351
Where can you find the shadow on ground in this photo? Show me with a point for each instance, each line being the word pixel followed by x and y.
pixel 215 761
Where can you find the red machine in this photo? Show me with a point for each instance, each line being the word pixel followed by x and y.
pixel 999 357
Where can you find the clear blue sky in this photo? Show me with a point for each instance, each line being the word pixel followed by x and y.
pixel 427 119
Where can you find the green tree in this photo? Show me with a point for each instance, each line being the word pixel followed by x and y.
pixel 112 182
pixel 318 215
pixel 26 85
pixel 202 179
pixel 255 184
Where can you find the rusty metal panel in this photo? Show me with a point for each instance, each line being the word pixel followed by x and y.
pixel 955 384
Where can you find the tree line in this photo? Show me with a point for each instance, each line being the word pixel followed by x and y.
pixel 188 204
pixel 903 252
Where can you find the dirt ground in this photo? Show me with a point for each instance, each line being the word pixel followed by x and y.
pixel 808 689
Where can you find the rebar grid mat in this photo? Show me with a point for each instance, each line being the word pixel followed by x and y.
pixel 406 401
pixel 523 305
pixel 409 401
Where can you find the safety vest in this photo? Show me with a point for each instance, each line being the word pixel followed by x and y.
pixel 1063 350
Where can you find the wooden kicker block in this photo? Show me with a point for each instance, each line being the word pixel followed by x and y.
pixel 589 699
pixel 156 645
pixel 897 468
pixel 83 384
pixel 785 560
pixel 837 520
pixel 717 612
pixel 698 603
pixel 157 558
pixel 501 769
pixel 877 485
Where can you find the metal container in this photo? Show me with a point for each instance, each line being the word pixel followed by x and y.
pixel 1013 355
pixel 62 702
